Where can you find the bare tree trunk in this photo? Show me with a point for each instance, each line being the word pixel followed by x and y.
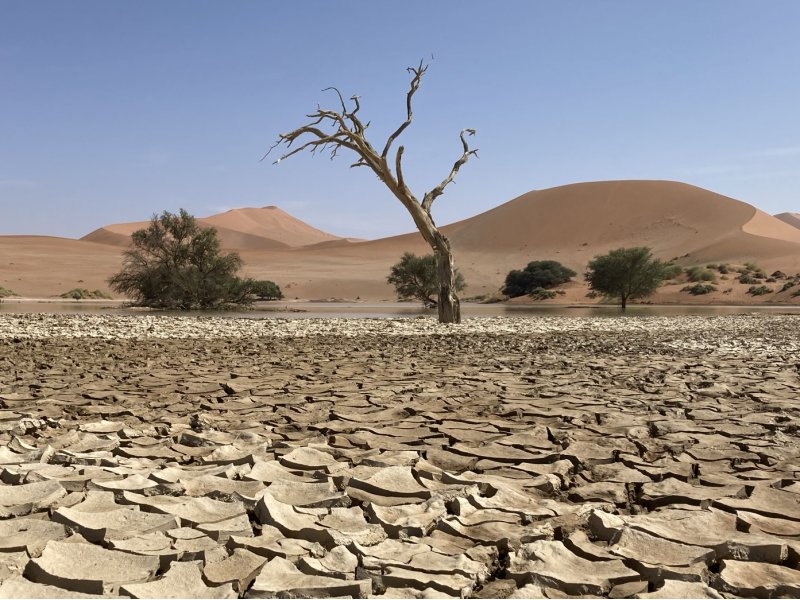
pixel 349 132
pixel 449 305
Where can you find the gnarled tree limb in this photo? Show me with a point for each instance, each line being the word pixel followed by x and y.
pixel 427 200
pixel 348 131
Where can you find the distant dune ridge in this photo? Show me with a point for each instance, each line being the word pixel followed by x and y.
pixel 571 224
pixel 268 227
pixel 792 218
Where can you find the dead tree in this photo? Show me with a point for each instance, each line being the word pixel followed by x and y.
pixel 333 130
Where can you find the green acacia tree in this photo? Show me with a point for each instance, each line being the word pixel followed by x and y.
pixel 626 273
pixel 538 274
pixel 176 264
pixel 414 278
pixel 264 289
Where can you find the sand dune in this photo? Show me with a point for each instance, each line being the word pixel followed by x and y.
pixel 269 222
pixel 42 266
pixel 268 227
pixel 571 224
pixel 791 218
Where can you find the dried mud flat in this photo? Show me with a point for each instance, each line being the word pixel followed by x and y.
pixel 526 458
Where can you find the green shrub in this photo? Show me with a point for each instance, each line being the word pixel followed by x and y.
pixel 788 285
pixel 723 269
pixel 671 271
pixel 544 274
pixel 751 266
pixel 6 293
pixel 748 279
pixel 263 289
pixel 779 275
pixel 625 273
pixel 700 274
pixel 414 278
pixel 760 290
pixel 84 294
pixel 796 293
pixel 542 294
pixel 700 289
pixel 175 264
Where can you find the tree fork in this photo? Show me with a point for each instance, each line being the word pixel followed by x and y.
pixel 350 132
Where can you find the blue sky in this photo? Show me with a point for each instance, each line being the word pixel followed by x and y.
pixel 111 111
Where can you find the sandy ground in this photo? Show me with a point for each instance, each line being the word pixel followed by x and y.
pixel 570 224
pixel 537 457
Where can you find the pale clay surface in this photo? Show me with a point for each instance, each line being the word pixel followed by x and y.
pixel 153 456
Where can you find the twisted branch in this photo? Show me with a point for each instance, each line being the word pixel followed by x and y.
pixel 427 200
pixel 418 73
pixel 349 132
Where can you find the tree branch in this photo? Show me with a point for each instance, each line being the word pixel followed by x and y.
pixel 418 73
pixel 398 168
pixel 322 140
pixel 427 200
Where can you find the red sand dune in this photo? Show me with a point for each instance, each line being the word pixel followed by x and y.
pixel 571 224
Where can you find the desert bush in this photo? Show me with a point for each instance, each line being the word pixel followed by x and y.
pixel 538 274
pixel 788 285
pixel 263 289
pixel 414 278
pixel 6 293
pixel 746 278
pixel 625 273
pixel 700 289
pixel 779 275
pixel 84 294
pixel 671 271
pixel 796 293
pixel 700 274
pixel 542 294
pixel 723 269
pixel 175 264
pixel 759 290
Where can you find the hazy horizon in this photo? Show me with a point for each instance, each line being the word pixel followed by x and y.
pixel 115 111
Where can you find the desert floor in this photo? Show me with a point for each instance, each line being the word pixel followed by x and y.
pixel 538 457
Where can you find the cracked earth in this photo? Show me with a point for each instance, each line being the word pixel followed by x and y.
pixel 542 457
